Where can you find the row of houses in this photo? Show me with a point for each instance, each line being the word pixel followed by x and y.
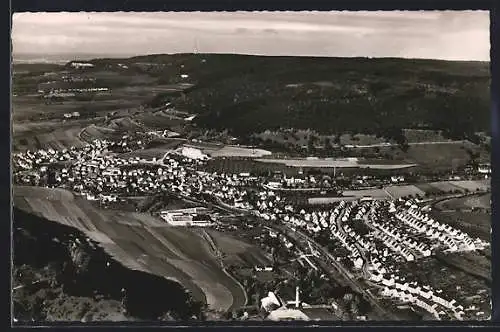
pixel 448 236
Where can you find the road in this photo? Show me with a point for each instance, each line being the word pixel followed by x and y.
pixel 340 269
pixel 328 263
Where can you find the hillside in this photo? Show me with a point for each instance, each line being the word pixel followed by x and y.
pixel 141 243
pixel 248 94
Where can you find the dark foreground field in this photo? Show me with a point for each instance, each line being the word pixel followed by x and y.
pixel 141 242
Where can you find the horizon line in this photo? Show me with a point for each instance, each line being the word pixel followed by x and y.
pixel 128 56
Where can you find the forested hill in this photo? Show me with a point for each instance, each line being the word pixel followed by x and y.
pixel 248 94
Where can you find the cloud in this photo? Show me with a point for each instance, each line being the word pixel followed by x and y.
pixel 430 34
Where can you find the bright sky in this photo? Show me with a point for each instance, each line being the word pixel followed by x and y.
pixel 451 35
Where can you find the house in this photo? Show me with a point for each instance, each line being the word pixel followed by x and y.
pixel 287 314
pixel 270 302
pixel 79 65
pixel 186 217
pixel 484 169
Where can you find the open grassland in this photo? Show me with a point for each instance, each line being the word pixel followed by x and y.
pixel 142 242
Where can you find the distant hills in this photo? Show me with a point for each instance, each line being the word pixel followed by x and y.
pixel 249 94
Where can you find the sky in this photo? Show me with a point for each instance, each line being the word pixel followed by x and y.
pixel 447 35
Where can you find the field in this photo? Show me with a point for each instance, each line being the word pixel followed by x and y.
pixel 445 186
pixel 349 195
pixel 421 135
pixel 404 191
pixel 300 138
pixel 395 192
pixel 157 153
pixel 471 262
pixel 331 163
pixel 469 202
pixel 442 155
pixel 159 121
pixel 477 224
pixel 429 189
pixel 481 185
pixel 236 151
pixel 57 139
pixel 329 200
pixel 94 132
pixel 242 165
pixel 472 185
pixel 457 212
pixel 238 253
pixel 142 242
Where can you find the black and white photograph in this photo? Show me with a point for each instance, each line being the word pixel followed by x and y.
pixel 250 166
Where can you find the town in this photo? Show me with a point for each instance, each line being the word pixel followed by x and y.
pixel 371 240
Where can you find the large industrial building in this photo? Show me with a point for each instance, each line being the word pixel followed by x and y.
pixel 187 217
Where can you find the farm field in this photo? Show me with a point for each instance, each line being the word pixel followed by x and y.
pixel 139 241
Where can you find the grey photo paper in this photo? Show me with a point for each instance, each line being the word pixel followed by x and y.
pixel 251 166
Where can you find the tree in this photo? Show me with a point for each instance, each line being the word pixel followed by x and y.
pixel 328 144
pixel 310 144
